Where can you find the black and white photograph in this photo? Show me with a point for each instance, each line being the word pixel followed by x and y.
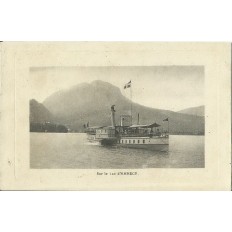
pixel 117 117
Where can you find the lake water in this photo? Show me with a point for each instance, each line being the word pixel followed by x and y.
pixel 72 150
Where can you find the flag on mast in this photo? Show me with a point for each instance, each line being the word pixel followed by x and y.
pixel 166 120
pixel 128 85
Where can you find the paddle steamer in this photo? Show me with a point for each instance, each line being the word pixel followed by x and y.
pixel 133 136
pixel 149 136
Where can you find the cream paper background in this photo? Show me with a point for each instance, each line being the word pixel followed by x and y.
pixel 17 58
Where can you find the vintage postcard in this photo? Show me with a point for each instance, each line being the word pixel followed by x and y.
pixel 115 116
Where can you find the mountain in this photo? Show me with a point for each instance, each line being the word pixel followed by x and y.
pixel 92 102
pixel 39 113
pixel 197 111
pixel 41 120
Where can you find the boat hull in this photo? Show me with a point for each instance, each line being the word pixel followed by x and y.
pixel 155 143
pixel 108 142
pixel 91 138
pixel 150 143
pixel 154 147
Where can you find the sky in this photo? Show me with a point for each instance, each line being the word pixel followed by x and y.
pixel 163 87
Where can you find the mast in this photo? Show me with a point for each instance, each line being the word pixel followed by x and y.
pixel 131 101
pixel 128 85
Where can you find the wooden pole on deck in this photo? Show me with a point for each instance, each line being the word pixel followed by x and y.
pixel 131 100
